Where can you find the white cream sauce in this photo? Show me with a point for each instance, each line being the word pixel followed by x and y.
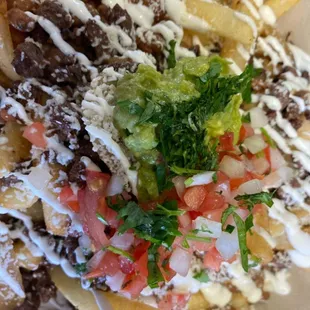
pixel 268 15
pixel 277 282
pixel 217 294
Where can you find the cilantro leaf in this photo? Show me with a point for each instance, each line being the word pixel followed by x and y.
pixel 202 276
pixel 80 268
pixel 250 200
pixel 241 229
pixel 214 177
pixel 229 228
pixel 163 182
pixel 119 252
pixel 268 139
pixel 227 212
pixel 171 59
pixel 154 276
pixel 101 218
pixel 246 118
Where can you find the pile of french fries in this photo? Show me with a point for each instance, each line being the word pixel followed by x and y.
pixel 225 22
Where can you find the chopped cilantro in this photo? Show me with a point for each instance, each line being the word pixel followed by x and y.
pixel 101 218
pixel 80 268
pixel 246 118
pixel 229 228
pixel 185 244
pixel 163 182
pixel 230 210
pixel 202 276
pixel 214 177
pixel 250 200
pixel 171 59
pixel 189 182
pixel 154 274
pixel 119 252
pixel 194 237
pixel 256 260
pixel 249 222
pixel 268 139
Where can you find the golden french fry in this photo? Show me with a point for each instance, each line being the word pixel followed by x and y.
pixel 6 50
pixel 25 258
pixel 56 223
pixel 279 7
pixel 223 20
pixel 15 148
pixel 259 247
pixel 82 299
pixel 198 302
pixel 9 297
pixel 35 212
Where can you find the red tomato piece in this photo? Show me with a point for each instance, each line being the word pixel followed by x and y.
pixel 213 259
pixel 245 131
pixel 227 141
pixel 108 214
pixel 163 262
pixel 214 215
pixel 202 246
pixel 141 265
pixel 212 201
pixel 235 183
pixel 4 115
pixel 126 265
pixel 93 227
pixel 267 154
pixel 97 181
pixel 134 284
pixel 194 197
pixel 35 134
pixel 140 249
pixel 68 198
pixel 109 265
pixel 194 214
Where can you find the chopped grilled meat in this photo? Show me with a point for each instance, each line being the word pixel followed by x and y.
pixel 20 21
pixel 28 60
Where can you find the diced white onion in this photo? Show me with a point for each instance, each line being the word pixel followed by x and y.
pixel 115 282
pixel 95 260
pixel 231 167
pixel 276 159
pixel 115 185
pixel 179 185
pixel 85 242
pixel 250 187
pixel 255 144
pixel 180 261
pixel 227 244
pixel 200 179
pixel 39 177
pixel 258 118
pixel 122 242
pixel 260 165
pixel 207 228
pixel 185 220
pixel 272 180
pixel 286 173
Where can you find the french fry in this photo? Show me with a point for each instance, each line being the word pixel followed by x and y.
pixel 6 49
pixel 17 197
pixel 15 149
pixel 56 223
pixel 279 7
pixel 25 258
pixel 222 20
pixel 9 298
pixel 35 212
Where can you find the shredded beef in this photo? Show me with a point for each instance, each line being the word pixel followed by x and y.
pixel 259 83
pixel 76 172
pixel 155 46
pixel 280 261
pixel 281 93
pixel 121 18
pixel 104 12
pixel 98 39
pixel 28 60
pixel 54 12
pixel 8 181
pixel 38 286
pixel 292 113
pixel 39 35
pixel 69 245
pixel 121 63
pixel 25 5
pixel 20 21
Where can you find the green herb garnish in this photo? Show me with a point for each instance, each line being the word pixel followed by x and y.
pixel 101 218
pixel 202 276
pixel 246 118
pixel 268 139
pixel 171 59
pixel 119 252
pixel 250 200
pixel 80 268
pixel 229 228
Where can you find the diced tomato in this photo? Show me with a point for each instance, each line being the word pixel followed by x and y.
pixel 97 181
pixel 35 134
pixel 194 197
pixel 109 265
pixel 267 154
pixel 126 265
pixel 134 284
pixel 212 201
pixel 245 131
pixel 108 214
pixel 235 183
pixel 202 246
pixel 194 214
pixel 214 215
pixel 93 227
pixel 185 220
pixel 140 249
pixel 141 265
pixel 213 259
pixel 227 141
pixel 68 198
pixel 163 262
